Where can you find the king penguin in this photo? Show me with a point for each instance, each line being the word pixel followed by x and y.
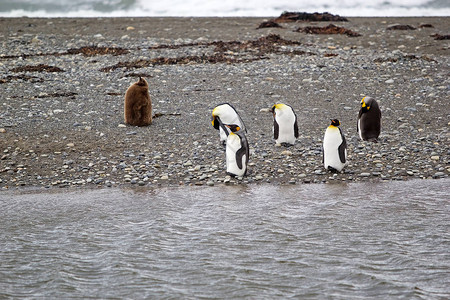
pixel 237 151
pixel 285 127
pixel 334 148
pixel 222 114
pixel 369 120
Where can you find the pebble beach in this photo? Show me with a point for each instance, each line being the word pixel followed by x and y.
pixel 63 82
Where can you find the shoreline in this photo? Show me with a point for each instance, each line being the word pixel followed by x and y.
pixel 63 127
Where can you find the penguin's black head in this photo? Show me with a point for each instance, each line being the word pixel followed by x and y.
pixel 215 120
pixel 335 122
pixel 273 109
pixel 366 103
pixel 233 127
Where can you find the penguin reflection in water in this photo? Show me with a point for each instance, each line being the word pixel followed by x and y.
pixel 334 148
pixel 237 151
pixel 369 120
pixel 226 114
pixel 285 127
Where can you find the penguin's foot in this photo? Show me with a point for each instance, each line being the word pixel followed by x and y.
pixel 332 170
pixel 287 145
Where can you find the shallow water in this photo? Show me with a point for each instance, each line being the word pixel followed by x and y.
pixel 382 240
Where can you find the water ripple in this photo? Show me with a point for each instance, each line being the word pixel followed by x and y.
pixel 386 240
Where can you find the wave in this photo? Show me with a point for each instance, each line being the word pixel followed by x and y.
pixel 236 8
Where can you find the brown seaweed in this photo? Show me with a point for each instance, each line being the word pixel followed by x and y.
pixel 330 29
pixel 93 51
pixel 441 37
pixel 38 68
pixel 224 52
pixel 10 78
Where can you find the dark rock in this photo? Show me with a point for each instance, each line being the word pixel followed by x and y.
pixel 400 27
pixel 308 17
pixel 269 24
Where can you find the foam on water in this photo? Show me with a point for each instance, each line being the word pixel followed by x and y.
pixel 145 8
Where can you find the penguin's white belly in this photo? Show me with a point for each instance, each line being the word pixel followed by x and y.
pixel 331 142
pixel 359 128
pixel 286 129
pixel 286 135
pixel 233 145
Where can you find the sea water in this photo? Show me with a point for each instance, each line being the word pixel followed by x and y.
pixel 185 8
pixel 386 240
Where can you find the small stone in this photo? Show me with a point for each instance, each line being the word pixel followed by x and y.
pixel 2 130
pixel 210 183
pixel 286 152
pixel 70 145
pixel 389 81
pixel 435 157
pixel 364 174
pixel 438 174
pixel 130 28
pixel 164 177
pixel 122 126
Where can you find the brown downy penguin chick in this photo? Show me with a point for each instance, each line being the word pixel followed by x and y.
pixel 138 106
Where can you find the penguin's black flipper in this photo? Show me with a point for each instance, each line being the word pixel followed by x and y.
pixel 341 148
pixel 323 155
pixel 296 128
pixel 241 152
pixel 276 129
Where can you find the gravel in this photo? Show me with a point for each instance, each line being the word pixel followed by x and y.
pixel 65 128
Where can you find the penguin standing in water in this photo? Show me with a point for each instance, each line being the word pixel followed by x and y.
pixel 237 151
pixel 369 120
pixel 334 148
pixel 285 127
pixel 226 114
